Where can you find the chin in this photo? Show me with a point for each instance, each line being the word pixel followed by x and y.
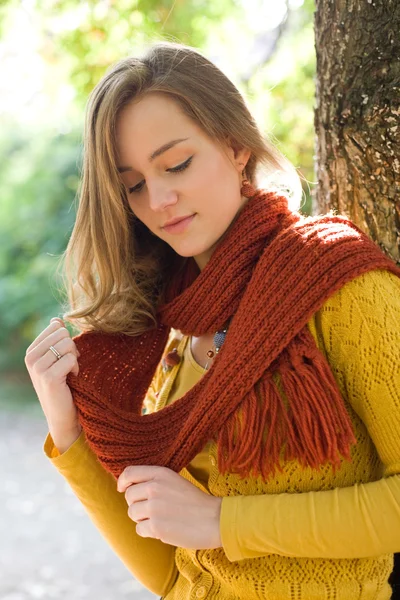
pixel 188 251
pixel 195 250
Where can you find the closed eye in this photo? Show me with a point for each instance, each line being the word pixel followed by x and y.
pixel 178 169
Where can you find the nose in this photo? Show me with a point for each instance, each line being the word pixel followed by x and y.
pixel 161 197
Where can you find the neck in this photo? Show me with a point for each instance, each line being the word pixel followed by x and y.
pixel 203 259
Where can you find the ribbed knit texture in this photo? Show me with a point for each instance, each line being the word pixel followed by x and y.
pixel 273 264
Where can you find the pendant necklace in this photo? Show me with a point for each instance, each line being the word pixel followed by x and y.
pixel 172 358
pixel 219 339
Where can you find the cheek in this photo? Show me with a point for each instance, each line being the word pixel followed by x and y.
pixel 139 210
pixel 222 174
pixel 147 217
pixel 207 169
pixel 133 206
pixel 216 166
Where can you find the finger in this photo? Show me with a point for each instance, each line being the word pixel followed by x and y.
pixel 136 474
pixel 137 492
pixel 65 348
pixel 55 339
pixel 59 319
pixel 144 529
pixel 66 364
pixel 139 511
pixel 59 339
pixel 54 325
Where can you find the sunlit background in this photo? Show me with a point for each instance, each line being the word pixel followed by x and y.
pixel 52 53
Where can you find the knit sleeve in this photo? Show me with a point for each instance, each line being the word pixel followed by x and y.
pixel 359 329
pixel 107 508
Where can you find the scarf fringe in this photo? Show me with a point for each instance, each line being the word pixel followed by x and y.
pixel 302 417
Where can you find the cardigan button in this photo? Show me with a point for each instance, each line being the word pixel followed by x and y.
pixel 201 592
pixel 213 461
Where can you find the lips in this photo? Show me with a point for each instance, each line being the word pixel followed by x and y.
pixel 175 221
pixel 179 226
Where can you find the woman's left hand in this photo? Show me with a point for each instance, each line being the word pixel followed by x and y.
pixel 169 508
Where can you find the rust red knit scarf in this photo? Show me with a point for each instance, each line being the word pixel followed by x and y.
pixel 272 271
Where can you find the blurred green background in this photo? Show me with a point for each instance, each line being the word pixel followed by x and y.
pixel 52 54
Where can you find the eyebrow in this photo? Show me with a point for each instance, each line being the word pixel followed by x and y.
pixel 157 152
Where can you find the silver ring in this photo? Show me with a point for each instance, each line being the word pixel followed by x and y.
pixel 55 352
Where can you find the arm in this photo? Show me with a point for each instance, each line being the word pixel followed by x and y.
pixel 360 330
pixel 150 561
pixel 352 522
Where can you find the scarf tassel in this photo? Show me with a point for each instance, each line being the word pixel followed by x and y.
pixel 318 412
pixel 300 416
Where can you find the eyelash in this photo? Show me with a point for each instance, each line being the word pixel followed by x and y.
pixel 178 169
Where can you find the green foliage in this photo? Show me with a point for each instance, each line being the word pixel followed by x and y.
pixel 38 183
pixel 39 170
pixel 103 32
pixel 282 93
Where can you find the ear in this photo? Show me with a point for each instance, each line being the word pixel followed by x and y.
pixel 239 156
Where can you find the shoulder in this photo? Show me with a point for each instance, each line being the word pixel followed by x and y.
pixel 363 312
pixel 371 292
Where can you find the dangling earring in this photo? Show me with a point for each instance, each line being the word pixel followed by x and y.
pixel 247 190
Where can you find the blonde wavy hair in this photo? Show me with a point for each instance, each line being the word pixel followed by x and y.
pixel 114 270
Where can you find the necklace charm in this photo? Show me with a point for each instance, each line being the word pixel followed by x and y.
pixel 219 339
pixel 171 359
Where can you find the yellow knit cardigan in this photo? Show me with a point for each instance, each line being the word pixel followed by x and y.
pixel 305 534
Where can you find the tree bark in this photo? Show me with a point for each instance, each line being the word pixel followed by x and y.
pixel 357 123
pixel 357 115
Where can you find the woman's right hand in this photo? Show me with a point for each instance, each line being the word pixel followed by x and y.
pixel 49 374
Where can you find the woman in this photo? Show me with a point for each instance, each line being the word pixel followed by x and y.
pixel 232 424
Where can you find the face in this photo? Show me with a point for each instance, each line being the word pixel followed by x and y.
pixel 171 169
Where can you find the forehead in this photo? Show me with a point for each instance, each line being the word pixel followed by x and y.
pixel 145 125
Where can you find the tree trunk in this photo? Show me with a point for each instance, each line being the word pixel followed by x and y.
pixel 357 115
pixel 357 123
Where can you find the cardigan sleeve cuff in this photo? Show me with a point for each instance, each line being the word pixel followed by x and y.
pixel 229 528
pixel 70 457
